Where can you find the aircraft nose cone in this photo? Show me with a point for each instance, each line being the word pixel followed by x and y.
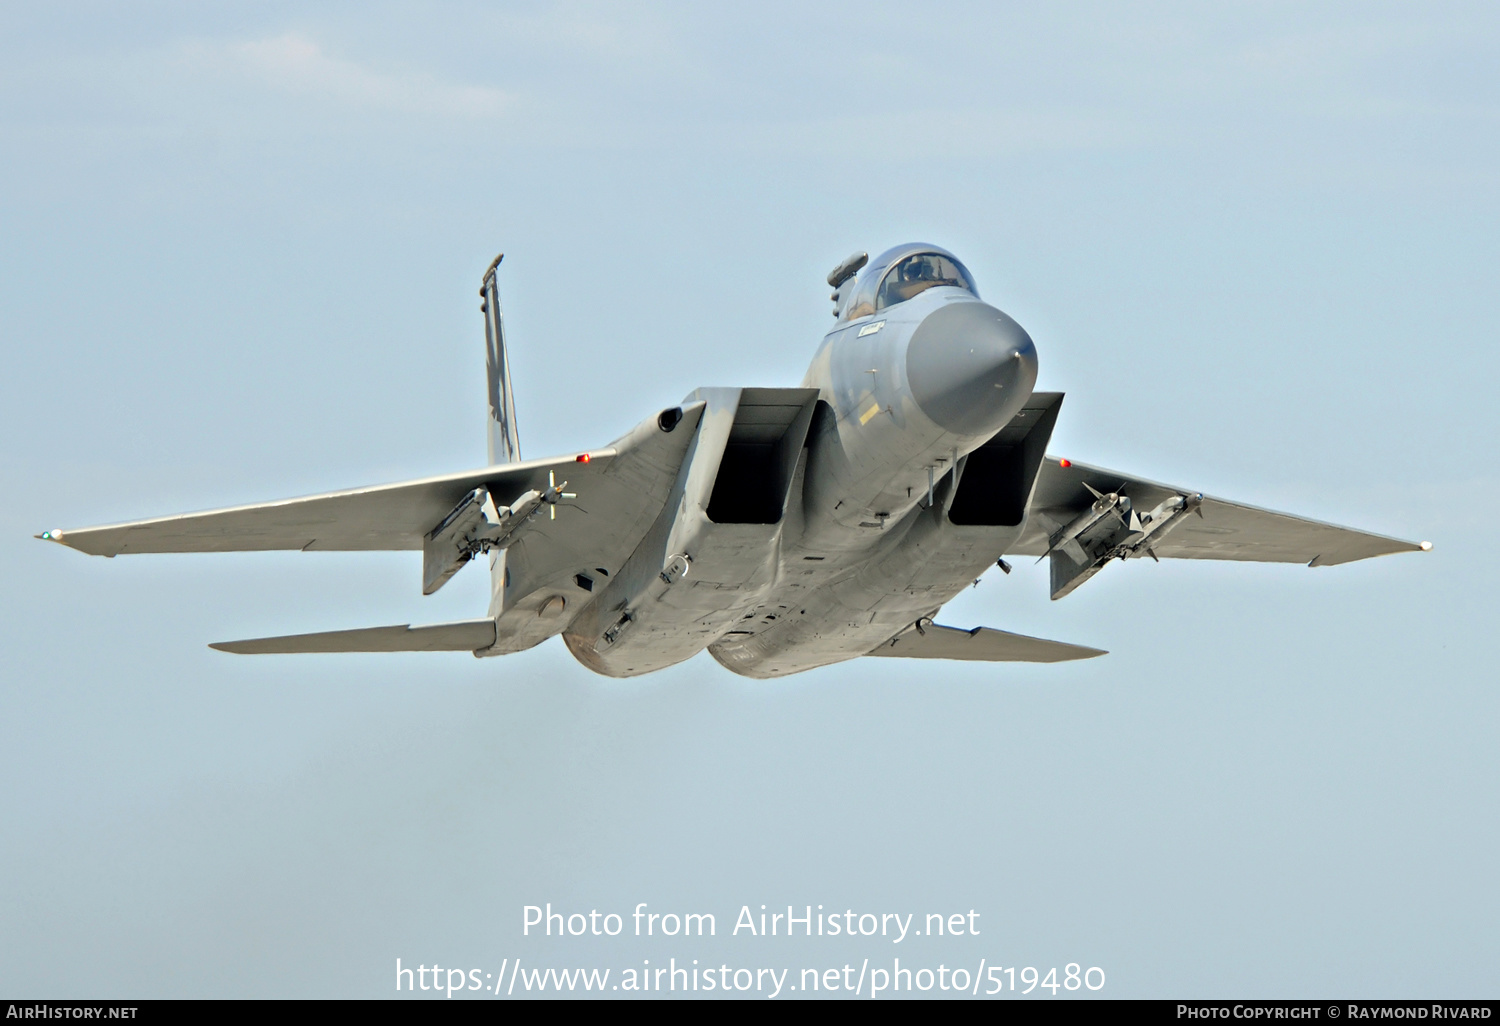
pixel 970 368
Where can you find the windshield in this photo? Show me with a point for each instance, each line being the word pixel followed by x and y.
pixel 919 273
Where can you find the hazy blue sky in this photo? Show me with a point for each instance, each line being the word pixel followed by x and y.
pixel 240 247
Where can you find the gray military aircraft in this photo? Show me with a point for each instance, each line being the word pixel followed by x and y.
pixel 780 528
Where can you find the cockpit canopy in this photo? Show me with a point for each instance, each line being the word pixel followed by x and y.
pixel 902 273
pixel 917 273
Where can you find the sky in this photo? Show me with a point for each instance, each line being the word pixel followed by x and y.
pixel 240 249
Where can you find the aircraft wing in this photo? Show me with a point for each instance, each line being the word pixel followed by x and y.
pixel 1082 517
pixel 1221 530
pixel 378 518
pixel 614 492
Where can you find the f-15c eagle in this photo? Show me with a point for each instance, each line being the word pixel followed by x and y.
pixel 782 529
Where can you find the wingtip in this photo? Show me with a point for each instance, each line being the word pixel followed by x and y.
pixel 1425 546
pixel 75 542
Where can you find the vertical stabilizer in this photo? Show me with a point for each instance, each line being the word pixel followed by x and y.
pixel 504 443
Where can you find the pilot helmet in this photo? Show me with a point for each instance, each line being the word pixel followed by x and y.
pixel 916 268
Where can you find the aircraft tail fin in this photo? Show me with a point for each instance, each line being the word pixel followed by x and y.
pixel 463 636
pixel 504 442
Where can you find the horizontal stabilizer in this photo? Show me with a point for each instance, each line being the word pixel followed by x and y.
pixel 983 644
pixel 462 636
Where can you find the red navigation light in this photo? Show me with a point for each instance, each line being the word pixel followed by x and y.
pixel 1065 463
pixel 583 458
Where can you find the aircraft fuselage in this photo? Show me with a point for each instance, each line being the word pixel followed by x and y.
pixel 859 543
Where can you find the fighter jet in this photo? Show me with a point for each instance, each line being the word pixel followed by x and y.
pixel 781 529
